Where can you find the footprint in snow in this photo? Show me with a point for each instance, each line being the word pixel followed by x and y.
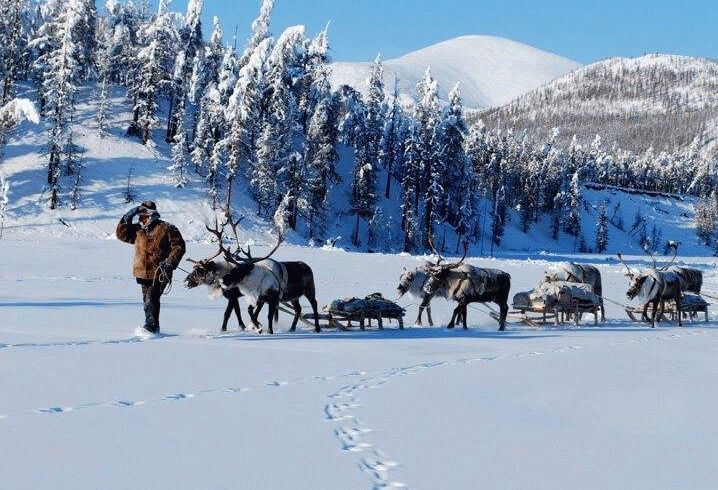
pixel 180 396
pixel 278 383
pixel 54 410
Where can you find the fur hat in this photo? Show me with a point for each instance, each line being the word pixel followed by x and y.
pixel 148 207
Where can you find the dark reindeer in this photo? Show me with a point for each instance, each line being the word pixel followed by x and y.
pixel 466 284
pixel 654 286
pixel 264 280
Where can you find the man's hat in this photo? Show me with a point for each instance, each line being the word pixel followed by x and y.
pixel 147 207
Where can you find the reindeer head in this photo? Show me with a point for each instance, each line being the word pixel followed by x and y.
pixel 406 279
pixel 204 272
pixel 439 273
pixel 635 285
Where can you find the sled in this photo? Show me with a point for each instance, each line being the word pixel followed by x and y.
pixel 538 315
pixel 691 306
pixel 558 302
pixel 348 313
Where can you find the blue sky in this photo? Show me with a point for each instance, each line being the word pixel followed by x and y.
pixel 583 30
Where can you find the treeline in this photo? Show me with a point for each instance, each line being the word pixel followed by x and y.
pixel 265 118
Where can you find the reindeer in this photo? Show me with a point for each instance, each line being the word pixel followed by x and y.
pixel 466 284
pixel 654 286
pixel 264 280
pixel 580 273
pixel 209 272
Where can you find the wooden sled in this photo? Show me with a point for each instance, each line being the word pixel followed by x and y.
pixel 538 314
pixel 667 311
pixel 343 320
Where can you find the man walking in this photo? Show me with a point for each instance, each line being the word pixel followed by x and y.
pixel 159 247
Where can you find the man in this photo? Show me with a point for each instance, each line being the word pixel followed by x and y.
pixel 159 247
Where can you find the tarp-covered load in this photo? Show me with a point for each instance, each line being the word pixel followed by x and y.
pixel 553 294
pixel 373 302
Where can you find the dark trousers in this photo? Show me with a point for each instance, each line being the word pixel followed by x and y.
pixel 151 294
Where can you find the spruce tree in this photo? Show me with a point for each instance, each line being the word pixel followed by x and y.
pixel 602 230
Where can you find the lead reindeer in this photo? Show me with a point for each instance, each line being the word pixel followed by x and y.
pixel 209 272
pixel 467 284
pixel 264 280
pixel 653 287
pixel 580 273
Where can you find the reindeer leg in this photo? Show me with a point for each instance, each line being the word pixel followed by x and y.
pixel 428 313
pixel 424 304
pixel 238 312
pixel 254 314
pixel 297 311
pixel 227 314
pixel 678 310
pixel 270 315
pixel 644 315
pixel 453 317
pixel 463 317
pixel 655 312
pixel 313 302
pixel 503 312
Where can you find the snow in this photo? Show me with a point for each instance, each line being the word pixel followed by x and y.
pixel 492 70
pixel 618 405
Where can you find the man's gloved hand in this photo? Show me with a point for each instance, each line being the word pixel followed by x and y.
pixel 127 218
pixel 166 267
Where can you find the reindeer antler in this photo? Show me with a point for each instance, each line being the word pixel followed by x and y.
pixel 461 260
pixel 433 250
pixel 253 260
pixel 620 257
pixel 218 232
pixel 648 252
pixel 674 246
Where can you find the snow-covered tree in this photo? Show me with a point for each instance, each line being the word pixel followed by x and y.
pixel 374 112
pixel 426 114
pixel 190 42
pixel 159 37
pixel 61 65
pixel 14 26
pixel 409 189
pixel 452 131
pixel 572 218
pixel 391 145
pixel 245 115
pixel 4 199
pixel 321 157
pixel 260 31
pixel 602 230
pixel 180 156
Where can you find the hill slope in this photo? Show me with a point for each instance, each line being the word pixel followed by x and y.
pixel 108 160
pixel 659 101
pixel 492 70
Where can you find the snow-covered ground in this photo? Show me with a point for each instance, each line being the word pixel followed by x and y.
pixel 86 405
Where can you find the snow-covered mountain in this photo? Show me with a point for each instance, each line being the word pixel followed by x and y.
pixel 659 101
pixel 492 70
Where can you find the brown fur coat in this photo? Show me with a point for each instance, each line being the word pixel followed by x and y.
pixel 162 241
